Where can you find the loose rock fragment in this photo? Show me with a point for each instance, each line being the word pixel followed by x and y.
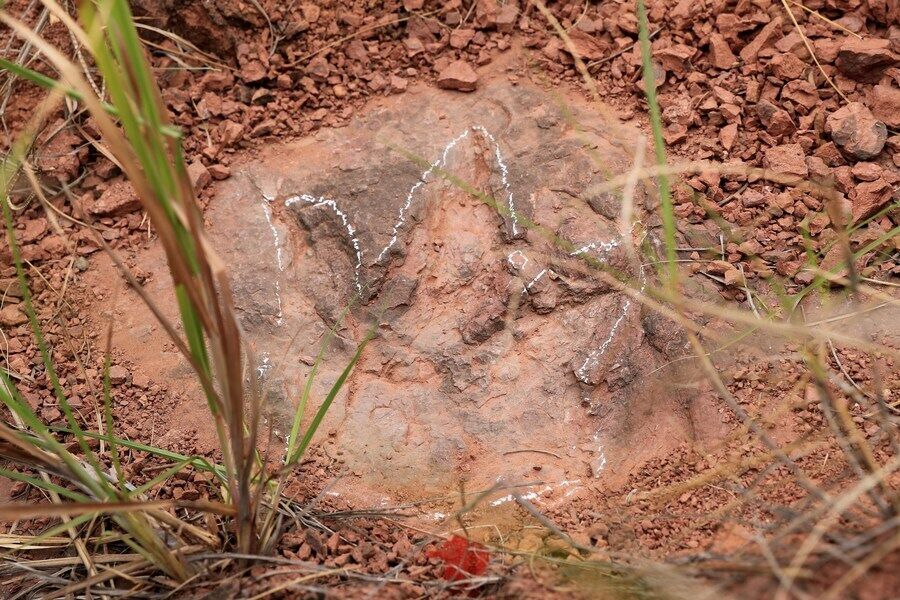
pixel 586 46
pixel 769 34
pixel 865 59
pixel 253 71
pixel 505 21
pixel 11 315
pixel 460 38
pixel 118 199
pixel 199 175
pixel 855 129
pixel 264 128
pixel 871 196
pixel 777 120
pixel 459 76
pixel 318 68
pixel 788 159
pixel 219 171
pixel 676 59
pixel 728 135
pixel 118 374
pixel 720 53
pixel 884 102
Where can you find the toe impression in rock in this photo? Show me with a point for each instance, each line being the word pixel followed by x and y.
pixel 491 337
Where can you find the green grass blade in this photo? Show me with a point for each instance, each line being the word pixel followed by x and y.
pixel 326 404
pixel 107 413
pixel 307 388
pixel 197 462
pixel 665 197
pixel 43 485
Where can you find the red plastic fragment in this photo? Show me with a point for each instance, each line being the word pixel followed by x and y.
pixel 462 558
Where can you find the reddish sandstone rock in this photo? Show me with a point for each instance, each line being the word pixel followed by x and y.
pixel 34 230
pixel 264 128
pixel 219 172
pixel 231 132
pixel 802 92
pixel 118 374
pixel 787 159
pixel 505 21
pixel 61 156
pixel 871 196
pixel 720 54
pixel 318 68
pixel 675 59
pixel 728 135
pixel 769 35
pixel 818 170
pixel 253 71
pixel 460 38
pixel 866 171
pixel 884 102
pixel 786 66
pixel 829 153
pixel 865 59
pixel 398 84
pixel 118 199
pixel 587 46
pixel 458 75
pixel 11 315
pixel 857 131
pixel 199 175
pixel 356 50
pixel 777 120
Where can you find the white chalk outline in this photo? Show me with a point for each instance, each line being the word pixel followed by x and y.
pixel 279 258
pixel 401 216
pixel 594 357
pixel 504 178
pixel 322 201
pixel 512 264
pixel 604 246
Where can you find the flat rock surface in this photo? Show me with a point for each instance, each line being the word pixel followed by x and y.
pixel 457 229
pixel 492 341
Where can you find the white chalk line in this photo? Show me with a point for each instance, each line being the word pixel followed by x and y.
pixel 604 246
pixel 410 196
pixel 527 287
pixel 593 357
pixel 534 495
pixel 279 259
pixel 401 217
pixel 601 462
pixel 351 232
pixel 504 178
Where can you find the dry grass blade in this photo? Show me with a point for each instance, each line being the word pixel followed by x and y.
pixel 18 511
pixel 811 51
pixel 27 542
pixel 836 509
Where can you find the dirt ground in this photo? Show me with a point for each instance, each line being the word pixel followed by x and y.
pixel 637 456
